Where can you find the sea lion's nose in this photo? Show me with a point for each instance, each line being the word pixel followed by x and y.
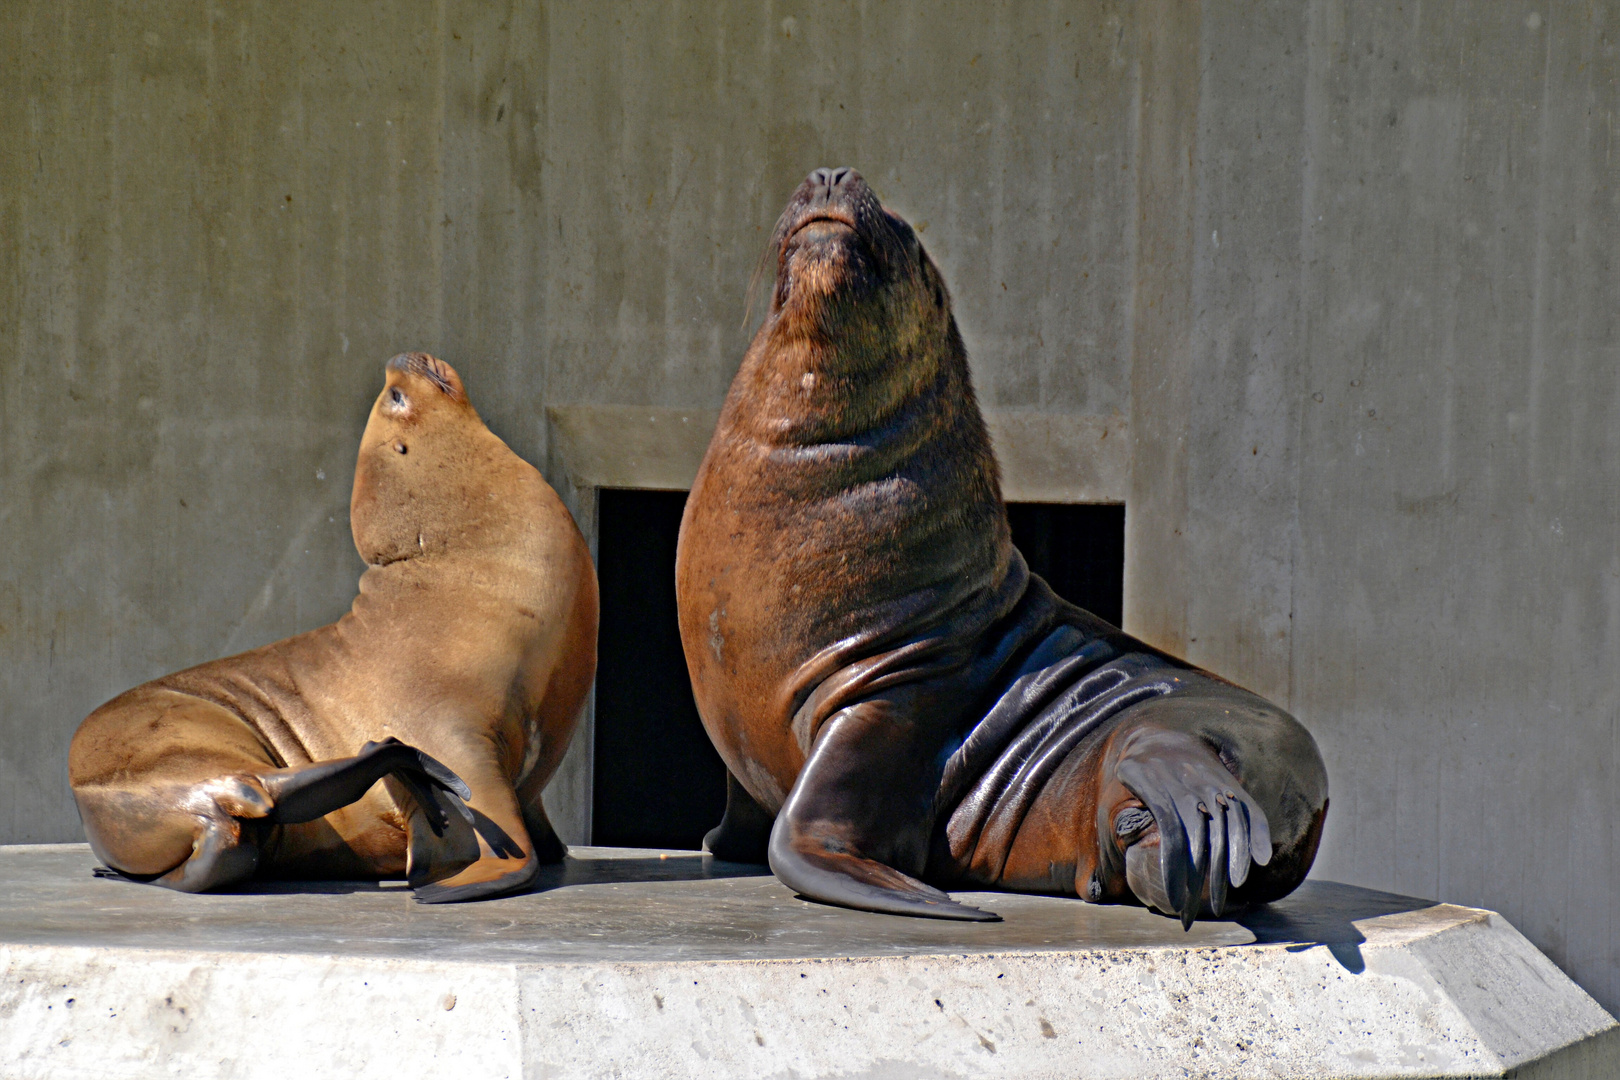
pixel 827 181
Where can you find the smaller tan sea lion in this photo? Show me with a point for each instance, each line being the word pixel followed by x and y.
pixel 456 677
pixel 902 705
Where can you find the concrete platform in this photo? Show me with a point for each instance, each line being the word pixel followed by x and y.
pixel 637 963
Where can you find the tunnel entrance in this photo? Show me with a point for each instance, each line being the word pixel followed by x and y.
pixel 1078 548
pixel 658 780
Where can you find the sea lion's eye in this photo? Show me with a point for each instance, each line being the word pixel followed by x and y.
pixel 399 448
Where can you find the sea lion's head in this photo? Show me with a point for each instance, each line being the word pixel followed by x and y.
pixel 859 310
pixel 425 463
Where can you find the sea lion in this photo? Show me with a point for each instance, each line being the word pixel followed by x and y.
pixel 882 674
pixel 458 674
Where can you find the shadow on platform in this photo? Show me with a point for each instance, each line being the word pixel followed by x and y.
pixel 1319 913
pixel 574 870
pixel 1325 913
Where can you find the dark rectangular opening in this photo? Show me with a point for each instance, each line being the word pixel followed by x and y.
pixel 1078 548
pixel 658 780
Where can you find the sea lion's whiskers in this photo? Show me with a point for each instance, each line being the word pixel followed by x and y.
pixel 765 252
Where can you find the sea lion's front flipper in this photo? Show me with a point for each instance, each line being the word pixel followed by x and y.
pixel 492 855
pixel 1199 824
pixel 810 866
pixel 857 809
pixel 744 833
pixel 480 881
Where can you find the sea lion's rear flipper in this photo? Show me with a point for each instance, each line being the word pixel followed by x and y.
pixel 181 792
pixel 313 791
pixel 857 809
pixel 297 795
pixel 744 833
pixel 548 846
pixel 1199 825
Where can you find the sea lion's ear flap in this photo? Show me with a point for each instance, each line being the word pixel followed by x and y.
pixel 431 368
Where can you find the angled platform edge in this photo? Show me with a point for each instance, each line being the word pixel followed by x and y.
pixel 1421 990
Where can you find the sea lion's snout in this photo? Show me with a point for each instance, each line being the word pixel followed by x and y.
pixel 837 199
pixel 836 239
pixel 832 195
pixel 832 178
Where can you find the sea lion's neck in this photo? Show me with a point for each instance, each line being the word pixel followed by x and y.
pixel 796 390
pixel 466 500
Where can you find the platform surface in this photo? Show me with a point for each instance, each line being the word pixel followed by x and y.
pixel 638 963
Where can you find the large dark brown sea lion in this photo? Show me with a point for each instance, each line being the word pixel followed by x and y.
pixel 881 672
pixel 472 643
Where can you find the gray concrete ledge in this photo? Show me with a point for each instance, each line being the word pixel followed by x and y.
pixel 634 963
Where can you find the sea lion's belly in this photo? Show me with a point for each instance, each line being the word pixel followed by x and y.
pixel 749 614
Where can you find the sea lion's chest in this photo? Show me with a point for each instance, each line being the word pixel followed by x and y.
pixel 791 550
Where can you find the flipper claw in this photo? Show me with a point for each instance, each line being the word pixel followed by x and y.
pixel 432 799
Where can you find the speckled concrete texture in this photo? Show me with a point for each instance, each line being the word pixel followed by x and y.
pixel 637 963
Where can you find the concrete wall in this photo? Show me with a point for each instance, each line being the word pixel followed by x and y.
pixel 1376 415
pixel 1340 273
